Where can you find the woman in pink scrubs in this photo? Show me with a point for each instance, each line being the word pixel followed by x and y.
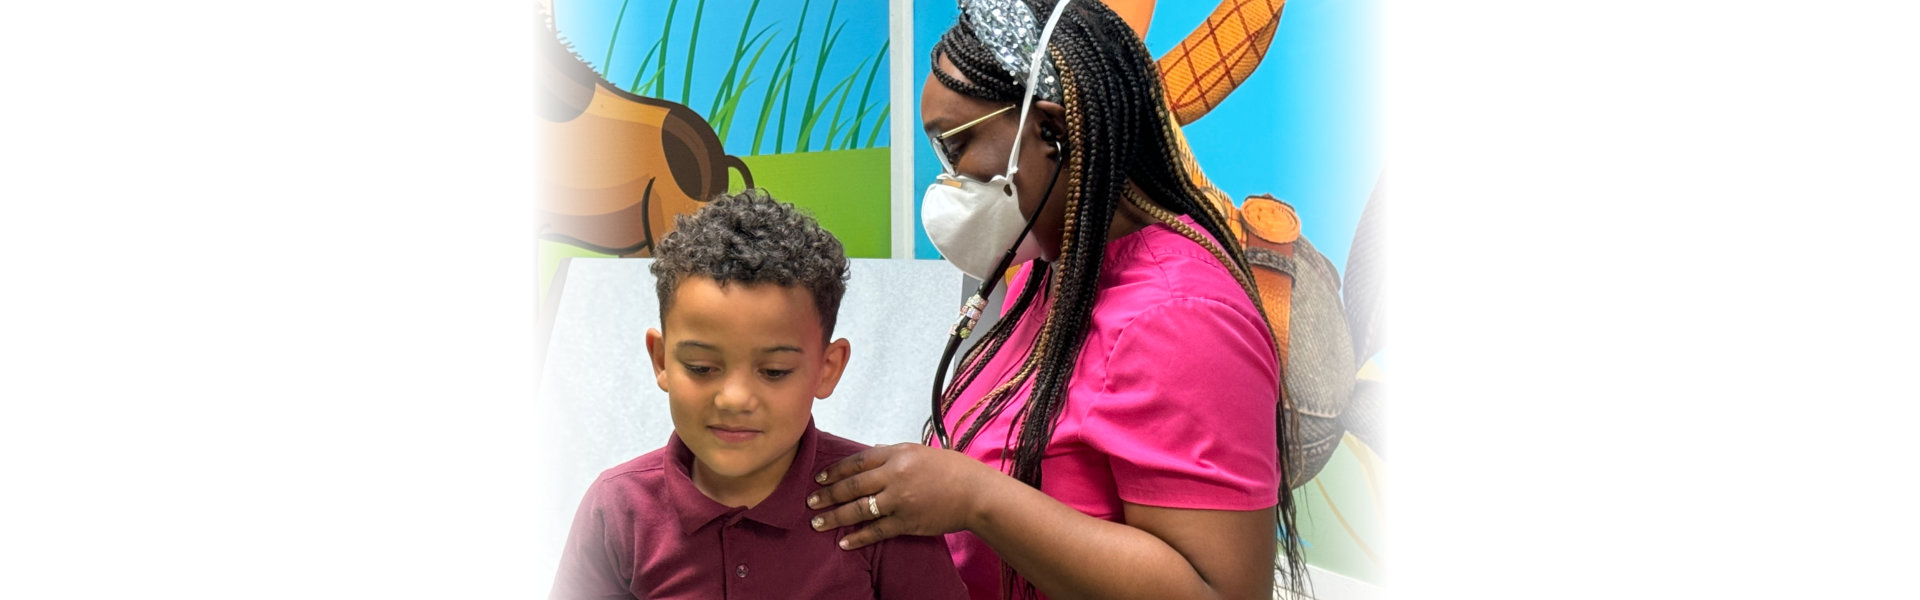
pixel 1115 434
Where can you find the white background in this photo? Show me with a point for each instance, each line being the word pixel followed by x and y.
pixel 265 326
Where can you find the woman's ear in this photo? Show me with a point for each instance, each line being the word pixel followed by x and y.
pixel 1052 116
pixel 1052 122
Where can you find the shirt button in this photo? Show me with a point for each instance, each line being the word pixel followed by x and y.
pixel 742 571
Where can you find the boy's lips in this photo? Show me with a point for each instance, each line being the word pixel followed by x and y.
pixel 733 435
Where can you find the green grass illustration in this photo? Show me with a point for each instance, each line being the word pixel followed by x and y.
pixel 776 87
pixel 807 124
pixel 783 72
pixel 814 109
pixel 884 113
pixel 724 112
pixel 666 33
pixel 693 44
pixel 786 87
pixel 865 92
pixel 739 48
pixel 637 85
pixel 614 39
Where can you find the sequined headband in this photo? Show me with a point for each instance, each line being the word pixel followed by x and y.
pixel 1009 30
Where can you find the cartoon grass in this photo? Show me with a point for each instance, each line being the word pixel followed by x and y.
pixel 776 87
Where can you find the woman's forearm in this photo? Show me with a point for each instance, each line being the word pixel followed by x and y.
pixel 1067 554
pixel 1153 552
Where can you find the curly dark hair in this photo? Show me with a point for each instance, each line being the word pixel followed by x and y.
pixel 751 238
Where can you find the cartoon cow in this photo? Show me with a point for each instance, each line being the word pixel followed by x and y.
pixel 615 167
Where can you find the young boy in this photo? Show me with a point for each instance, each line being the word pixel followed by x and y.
pixel 749 291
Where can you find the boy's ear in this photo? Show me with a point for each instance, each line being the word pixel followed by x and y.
pixel 659 355
pixel 836 365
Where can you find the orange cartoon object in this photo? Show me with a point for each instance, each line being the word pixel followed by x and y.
pixel 616 167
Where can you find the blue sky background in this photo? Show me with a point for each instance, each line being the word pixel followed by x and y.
pixel 1304 127
pixel 930 19
pixel 589 26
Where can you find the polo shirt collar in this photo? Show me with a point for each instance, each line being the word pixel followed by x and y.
pixel 785 508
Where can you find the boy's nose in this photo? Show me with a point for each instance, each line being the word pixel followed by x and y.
pixel 736 396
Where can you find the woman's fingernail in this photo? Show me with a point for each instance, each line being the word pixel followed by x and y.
pixel 843 544
pixel 812 501
pixel 819 522
pixel 821 478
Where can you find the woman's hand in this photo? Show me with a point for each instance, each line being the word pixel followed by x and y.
pixel 918 491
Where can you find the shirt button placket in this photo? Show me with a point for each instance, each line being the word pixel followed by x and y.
pixel 733 550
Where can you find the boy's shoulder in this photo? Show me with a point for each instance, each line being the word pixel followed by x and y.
pixel 642 469
pixel 832 448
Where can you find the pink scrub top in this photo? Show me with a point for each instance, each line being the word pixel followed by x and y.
pixel 1171 402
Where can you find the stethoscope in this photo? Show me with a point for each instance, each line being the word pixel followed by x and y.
pixel 970 311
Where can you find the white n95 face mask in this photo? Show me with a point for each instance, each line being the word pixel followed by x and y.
pixel 973 223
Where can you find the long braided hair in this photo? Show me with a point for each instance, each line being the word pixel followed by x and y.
pixel 1121 132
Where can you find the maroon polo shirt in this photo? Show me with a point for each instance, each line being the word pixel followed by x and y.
pixel 644 531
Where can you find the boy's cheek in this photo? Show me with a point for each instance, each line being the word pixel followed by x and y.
pixel 684 410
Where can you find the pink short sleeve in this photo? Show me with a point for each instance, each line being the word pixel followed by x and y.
pixel 1187 410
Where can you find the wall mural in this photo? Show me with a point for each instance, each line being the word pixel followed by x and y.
pixel 645 108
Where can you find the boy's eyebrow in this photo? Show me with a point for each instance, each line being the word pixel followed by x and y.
pixel 767 350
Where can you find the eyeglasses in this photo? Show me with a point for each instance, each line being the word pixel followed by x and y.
pixel 939 140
